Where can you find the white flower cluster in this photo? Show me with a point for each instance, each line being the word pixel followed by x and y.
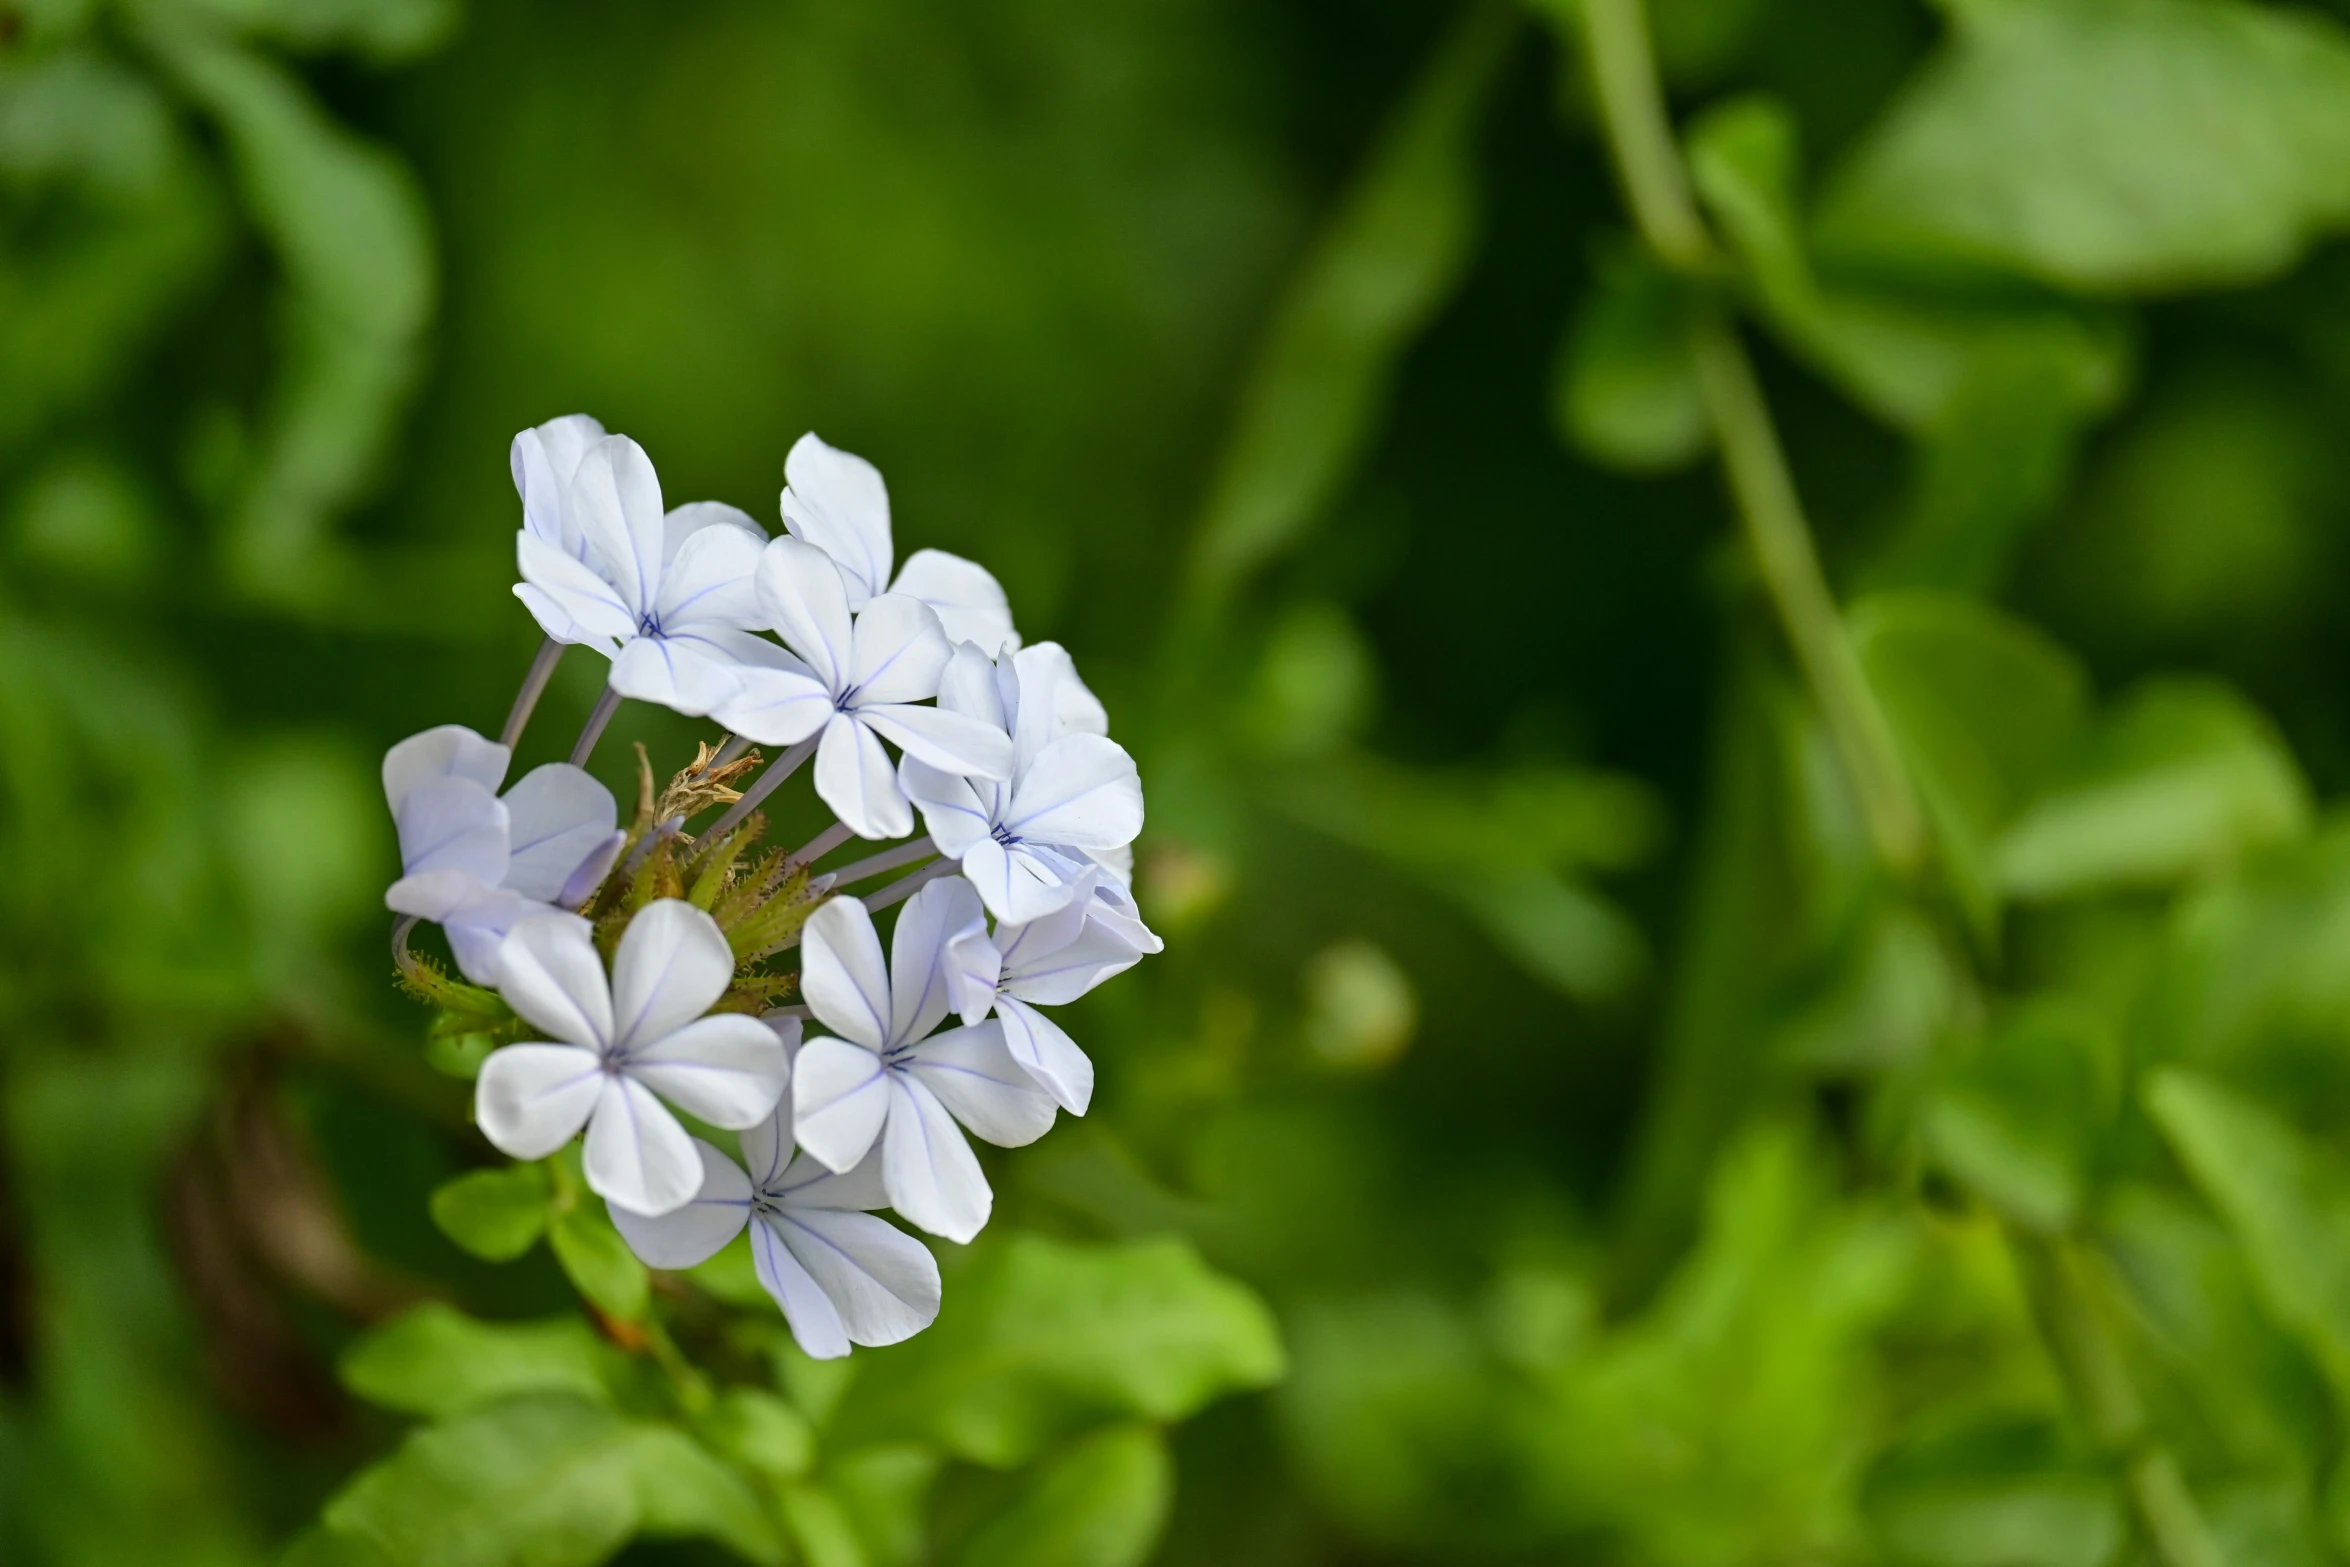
pixel 1002 751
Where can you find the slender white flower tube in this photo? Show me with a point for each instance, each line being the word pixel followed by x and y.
pixel 1073 792
pixel 1019 968
pixel 841 1276
pixel 856 681
pixel 887 1078
pixel 477 863
pixel 836 501
pixel 666 596
pixel 618 1047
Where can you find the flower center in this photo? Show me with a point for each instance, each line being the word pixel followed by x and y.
pixel 1004 835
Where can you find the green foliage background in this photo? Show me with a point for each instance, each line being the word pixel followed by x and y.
pixel 1583 1113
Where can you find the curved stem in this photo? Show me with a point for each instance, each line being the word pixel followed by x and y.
pixel 534 684
pixel 1770 514
pixel 823 843
pixel 401 959
pixel 606 706
pixel 913 853
pixel 905 887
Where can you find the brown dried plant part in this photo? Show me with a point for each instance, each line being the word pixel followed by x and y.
pixel 703 785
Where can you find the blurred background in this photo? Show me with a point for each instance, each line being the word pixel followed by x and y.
pixel 1637 1172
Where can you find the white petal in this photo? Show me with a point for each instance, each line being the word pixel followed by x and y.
pixel 1060 976
pixel 953 808
pixel 973 970
pixel 767 1146
pixel 477 932
pixel 556 817
pixel 897 651
pixel 713 579
pixel 550 974
pixel 802 596
pixel 1081 790
pixel 1026 945
pixel 637 1155
pixel 543 460
pixel 727 1068
pixel 1115 910
pixel 842 974
pixel 969 686
pixel 672 963
pixel 450 751
pixel 917 953
pixel 683 522
pixel 947 741
pixel 969 602
pixel 452 824
pixel 1047 1053
pixel 854 777
pixel 836 501
pixel 435 895
pixel 882 1281
pixel 594 605
pixel 698 1231
pixel 1038 673
pixel 840 1095
pixel 973 1073
pixel 675 673
pixel 815 1321
pixel 590 872
pixel 615 499
pixel 556 621
pixel 1024 883
pixel 806 1183
pixel 776 702
pixel 933 1177
pixel 531 1099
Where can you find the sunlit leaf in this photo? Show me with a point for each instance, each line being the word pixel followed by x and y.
pixel 1099 1503
pixel 435 1360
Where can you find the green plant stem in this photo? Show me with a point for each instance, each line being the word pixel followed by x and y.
pixel 2082 1344
pixel 1656 184
pixel 1647 157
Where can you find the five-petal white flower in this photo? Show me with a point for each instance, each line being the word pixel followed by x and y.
pixel 884 1079
pixel 836 501
pixel 641 1033
pixel 1019 968
pixel 478 863
pixel 857 681
pixel 841 1276
pixel 666 596
pixel 1073 791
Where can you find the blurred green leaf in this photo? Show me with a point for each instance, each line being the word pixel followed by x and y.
pixel 2109 145
pixel 1316 686
pixel 1042 1337
pixel 547 1481
pixel 1625 391
pixel 2287 1201
pixel 761 1432
pixel 435 1360
pixel 598 1262
pixel 2015 1121
pixel 381 30
pixel 1983 706
pixel 1387 262
pixel 1994 1494
pixel 1889 993
pixel 495 1214
pixel 2183 778
pixel 1101 1502
pixel 884 1491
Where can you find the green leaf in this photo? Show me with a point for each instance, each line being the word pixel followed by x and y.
pixel 761 1432
pixel 495 1214
pixel 2287 1201
pixel 820 1528
pixel 1042 1337
pixel 1100 1503
pixel 2002 1494
pixel 2115 146
pixel 1982 706
pixel 546 1481
pixel 1922 359
pixel 598 1262
pixel 1625 391
pixel 884 1491
pixel 2185 778
pixel 435 1360
pixel 2016 1121
pixel 1389 259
